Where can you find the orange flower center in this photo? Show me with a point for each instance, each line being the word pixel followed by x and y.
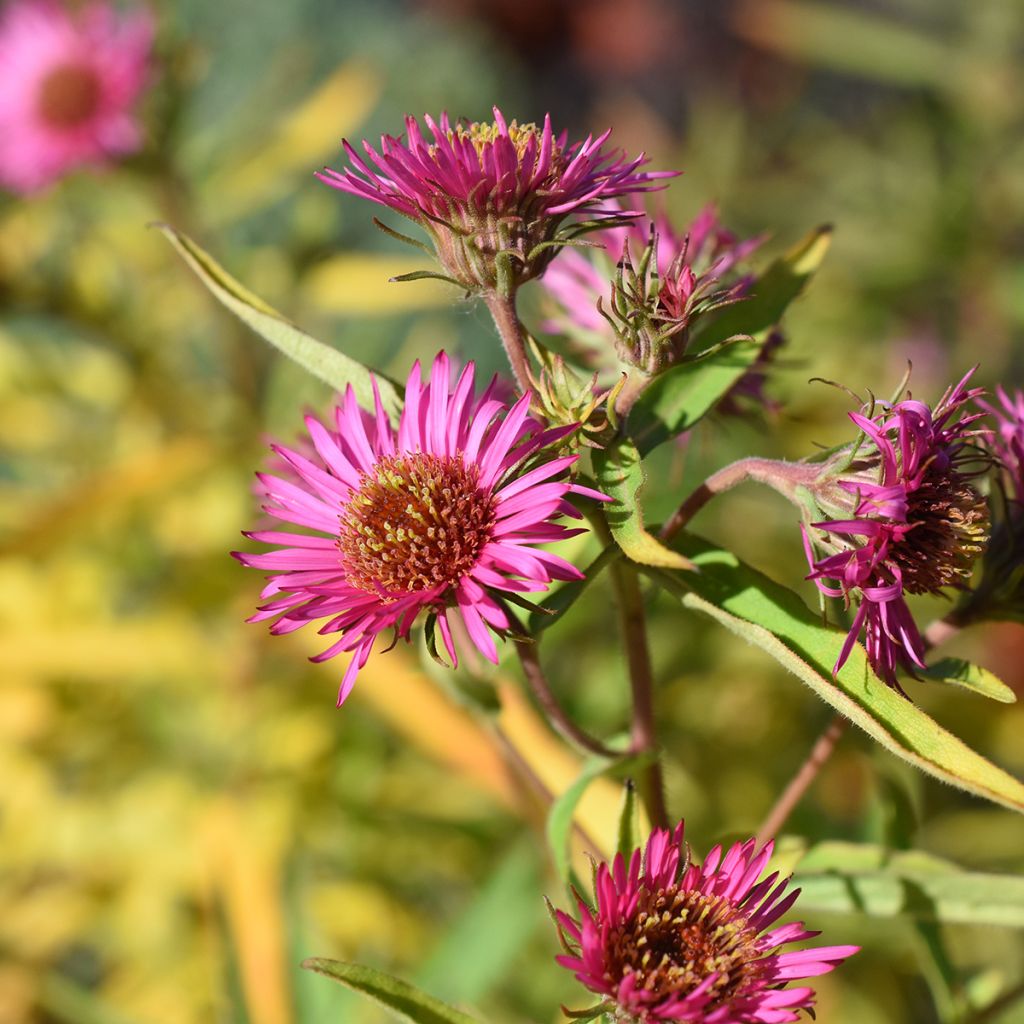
pixel 418 521
pixel 69 95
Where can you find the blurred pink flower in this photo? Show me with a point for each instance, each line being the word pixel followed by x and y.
pixel 69 81
pixel 917 524
pixel 442 515
pixel 671 940
pixel 489 190
pixel 1007 440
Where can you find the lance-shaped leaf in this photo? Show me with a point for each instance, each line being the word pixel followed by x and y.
pixel 620 475
pixel 404 1000
pixel 850 878
pixel 326 363
pixel 775 619
pixel 676 399
pixel 958 672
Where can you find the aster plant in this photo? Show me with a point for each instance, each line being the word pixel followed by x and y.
pixel 430 510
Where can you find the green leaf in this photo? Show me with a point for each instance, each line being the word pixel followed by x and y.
pixel 775 619
pixel 474 956
pixel 326 363
pixel 563 812
pixel 566 595
pixel 958 672
pixel 674 401
pixel 402 999
pixel 620 475
pixel 849 878
pixel 629 821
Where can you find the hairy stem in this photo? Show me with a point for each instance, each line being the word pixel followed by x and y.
pixel 798 785
pixel 650 783
pixel 784 477
pixel 529 658
pixel 510 329
pixel 634 387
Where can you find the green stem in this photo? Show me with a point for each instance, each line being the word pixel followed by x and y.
pixel 510 329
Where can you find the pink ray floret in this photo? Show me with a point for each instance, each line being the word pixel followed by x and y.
pixel 1007 441
pixel 672 940
pixel 445 515
pixel 915 528
pixel 70 79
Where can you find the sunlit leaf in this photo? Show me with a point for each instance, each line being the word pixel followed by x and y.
pixel 326 363
pixel 958 672
pixel 678 398
pixel 775 619
pixel 404 1000
pixel 620 475
pixel 850 878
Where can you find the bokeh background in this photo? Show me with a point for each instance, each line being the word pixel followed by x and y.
pixel 183 814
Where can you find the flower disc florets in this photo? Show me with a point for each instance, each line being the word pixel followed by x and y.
pixel 670 940
pixel 915 522
pixel 442 515
pixel 663 283
pixel 69 83
pixel 492 196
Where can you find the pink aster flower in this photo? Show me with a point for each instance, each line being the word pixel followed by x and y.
pixel 649 285
pixel 69 81
pixel 443 515
pixel 672 940
pixel 492 196
pixel 917 523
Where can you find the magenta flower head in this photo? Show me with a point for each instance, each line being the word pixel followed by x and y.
pixel 493 197
pixel 907 520
pixel 69 82
pixel 649 287
pixel 1007 441
pixel 443 515
pixel 672 940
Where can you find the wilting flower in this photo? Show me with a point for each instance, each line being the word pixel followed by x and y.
pixel 672 940
pixel 915 523
pixel 662 283
pixel 69 81
pixel 442 515
pixel 492 196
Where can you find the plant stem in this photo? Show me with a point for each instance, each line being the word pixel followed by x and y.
pixel 784 477
pixel 650 783
pixel 996 1009
pixel 798 785
pixel 634 387
pixel 506 319
pixel 529 657
pixel 939 631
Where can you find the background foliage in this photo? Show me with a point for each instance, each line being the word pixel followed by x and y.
pixel 184 817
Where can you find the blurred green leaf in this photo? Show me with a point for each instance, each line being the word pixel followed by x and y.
pixel 322 361
pixel 475 955
pixel 566 595
pixel 775 619
pixel 856 41
pixel 678 398
pixel 958 672
pixel 839 877
pixel 620 475
pixel 563 811
pixel 402 999
pixel 629 821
